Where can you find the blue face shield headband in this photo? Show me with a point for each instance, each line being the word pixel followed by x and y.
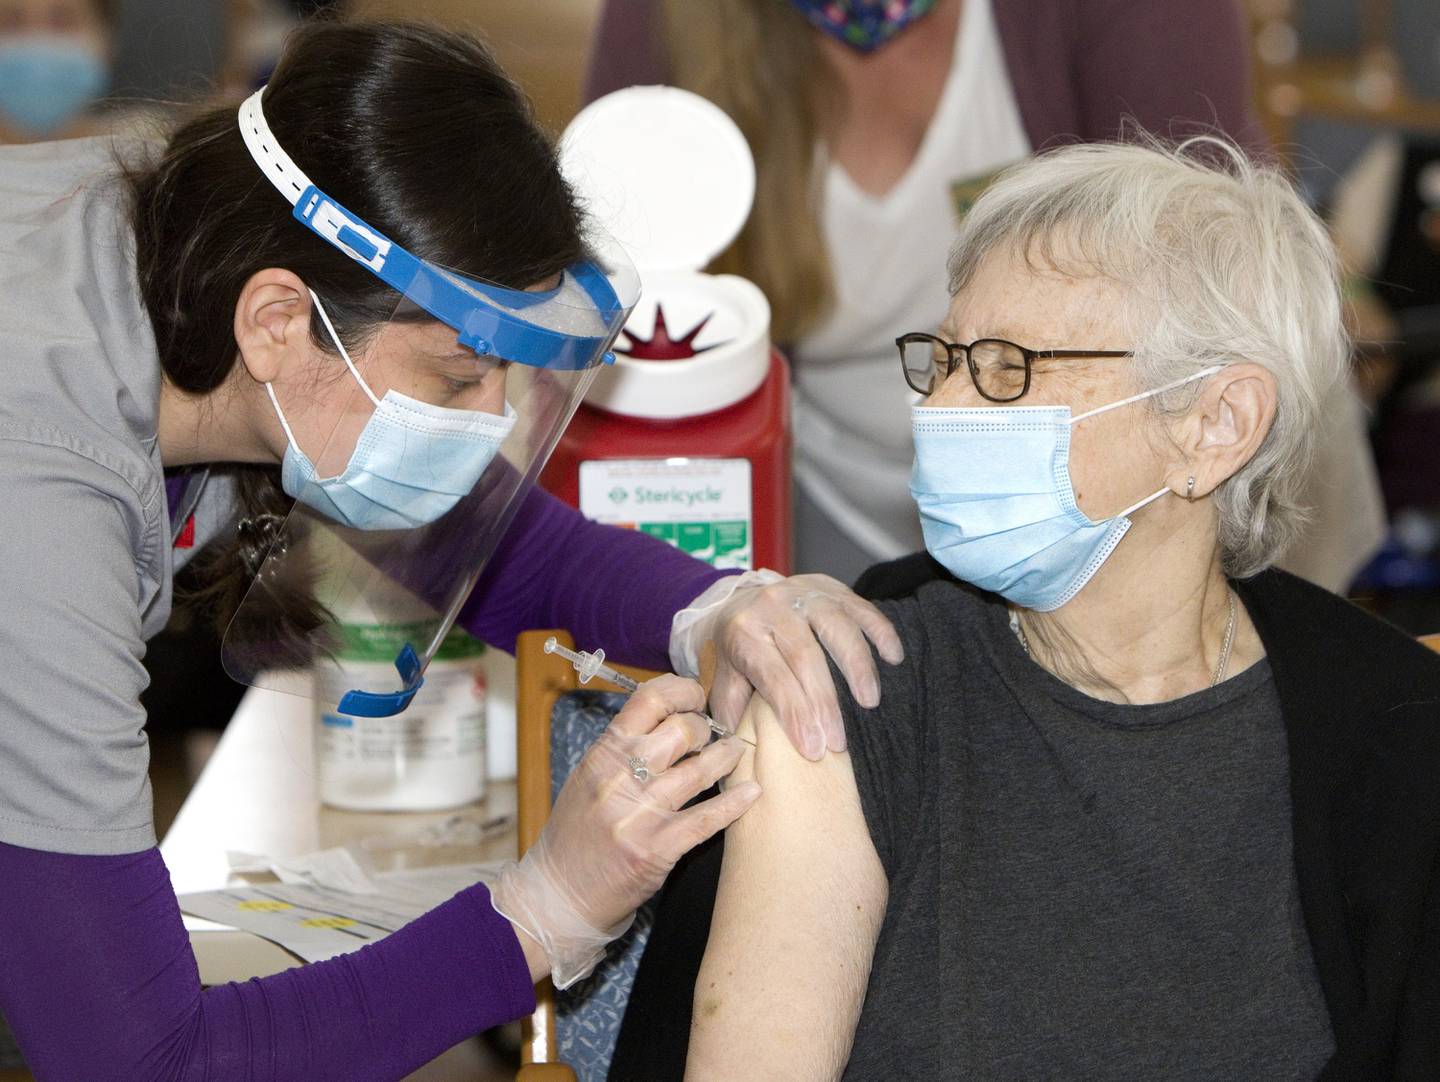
pixel 996 503
pixel 488 319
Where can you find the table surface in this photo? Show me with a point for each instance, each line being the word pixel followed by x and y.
pixel 258 794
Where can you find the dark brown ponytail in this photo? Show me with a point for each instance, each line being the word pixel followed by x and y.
pixel 414 129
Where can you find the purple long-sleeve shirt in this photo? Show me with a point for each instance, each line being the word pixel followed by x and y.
pixel 99 984
pixel 97 978
pixel 608 587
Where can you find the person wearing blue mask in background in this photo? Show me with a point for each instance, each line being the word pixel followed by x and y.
pixel 54 67
pixel 328 340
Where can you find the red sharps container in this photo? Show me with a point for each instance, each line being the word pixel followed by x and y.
pixel 687 435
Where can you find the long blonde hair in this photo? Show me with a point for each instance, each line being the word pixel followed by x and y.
pixel 758 60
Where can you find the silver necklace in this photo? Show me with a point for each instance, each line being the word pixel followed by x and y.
pixel 1224 662
pixel 1220 667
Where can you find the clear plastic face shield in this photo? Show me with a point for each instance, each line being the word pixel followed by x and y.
pixel 410 454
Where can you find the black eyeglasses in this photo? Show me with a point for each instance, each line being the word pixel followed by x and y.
pixel 999 369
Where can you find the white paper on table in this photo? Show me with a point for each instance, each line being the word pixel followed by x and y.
pixel 343 869
pixel 316 922
pixel 329 869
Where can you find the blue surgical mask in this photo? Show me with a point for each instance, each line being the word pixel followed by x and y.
pixel 47 81
pixel 996 504
pixel 412 463
pixel 864 25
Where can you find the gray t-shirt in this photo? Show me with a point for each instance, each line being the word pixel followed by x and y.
pixel 85 544
pixel 1078 889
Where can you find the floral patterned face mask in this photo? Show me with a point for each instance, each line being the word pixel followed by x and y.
pixel 864 25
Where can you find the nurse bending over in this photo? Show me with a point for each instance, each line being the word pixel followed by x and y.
pixel 375 279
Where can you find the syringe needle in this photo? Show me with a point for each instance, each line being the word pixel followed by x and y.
pixel 590 665
pixel 724 733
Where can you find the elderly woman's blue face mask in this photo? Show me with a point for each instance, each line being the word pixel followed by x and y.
pixel 996 502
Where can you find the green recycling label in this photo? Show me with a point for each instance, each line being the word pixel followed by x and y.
pixel 699 505
pixel 383 642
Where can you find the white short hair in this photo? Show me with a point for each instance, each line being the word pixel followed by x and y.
pixel 1220 260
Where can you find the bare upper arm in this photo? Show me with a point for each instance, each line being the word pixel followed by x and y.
pixel 801 897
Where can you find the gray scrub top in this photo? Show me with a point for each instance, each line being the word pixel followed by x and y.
pixel 85 544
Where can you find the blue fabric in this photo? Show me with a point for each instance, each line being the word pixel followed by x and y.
pixel 864 25
pixel 47 81
pixel 412 463
pixel 588 1014
pixel 996 506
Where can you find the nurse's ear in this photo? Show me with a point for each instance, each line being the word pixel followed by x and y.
pixel 272 324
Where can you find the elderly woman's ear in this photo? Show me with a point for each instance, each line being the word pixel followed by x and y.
pixel 1225 427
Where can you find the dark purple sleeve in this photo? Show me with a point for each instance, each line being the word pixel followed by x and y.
pixel 98 981
pixel 611 588
pixel 627 49
pixel 1176 68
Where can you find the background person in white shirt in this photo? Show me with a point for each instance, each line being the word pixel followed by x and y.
pixel 874 128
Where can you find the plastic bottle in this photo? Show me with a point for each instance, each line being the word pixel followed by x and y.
pixel 429 756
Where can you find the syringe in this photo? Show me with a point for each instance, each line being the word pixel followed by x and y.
pixel 590 665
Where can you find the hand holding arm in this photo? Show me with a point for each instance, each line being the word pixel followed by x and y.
pixel 769 634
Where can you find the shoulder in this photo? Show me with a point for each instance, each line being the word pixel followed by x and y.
pixel 81 370
pixel 898 748
pixel 47 472
pixel 79 517
pixel 921 597
pixel 629 48
pixel 66 183
pixel 1175 68
pixel 900 578
pixel 1361 698
pixel 1306 626
pixel 1053 21
pixel 45 169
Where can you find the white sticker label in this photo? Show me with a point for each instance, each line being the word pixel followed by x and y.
pixel 699 505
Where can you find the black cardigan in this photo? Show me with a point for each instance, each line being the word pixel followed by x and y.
pixel 1361 702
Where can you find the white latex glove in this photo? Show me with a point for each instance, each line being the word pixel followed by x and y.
pixel 611 839
pixel 767 632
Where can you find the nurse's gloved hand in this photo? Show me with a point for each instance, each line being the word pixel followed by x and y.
pixel 770 634
pixel 619 826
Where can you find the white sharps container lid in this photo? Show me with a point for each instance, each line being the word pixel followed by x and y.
pixel 669 175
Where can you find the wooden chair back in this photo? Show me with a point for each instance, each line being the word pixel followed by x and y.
pixel 540 679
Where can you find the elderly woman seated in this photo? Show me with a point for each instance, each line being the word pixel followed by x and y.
pixel 1134 806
